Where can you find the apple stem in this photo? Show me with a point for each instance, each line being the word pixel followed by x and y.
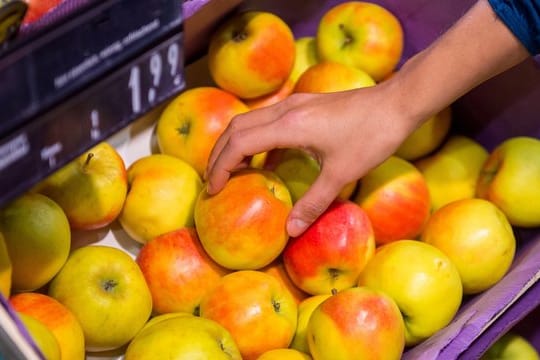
pixel 334 291
pixel 88 158
pixel 348 37
pixel 276 306
pixel 239 36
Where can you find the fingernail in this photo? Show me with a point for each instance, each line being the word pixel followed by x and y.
pixel 296 227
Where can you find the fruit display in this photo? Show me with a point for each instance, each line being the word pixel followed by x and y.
pixel 123 254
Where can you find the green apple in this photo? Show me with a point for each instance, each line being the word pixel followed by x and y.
pixel 90 189
pixel 106 291
pixel 38 239
pixel 452 171
pixel 183 337
pixel 510 178
pixel 477 237
pixel 5 269
pixel 42 337
pixel 305 309
pixel 423 282
pixel 511 346
pixel 306 55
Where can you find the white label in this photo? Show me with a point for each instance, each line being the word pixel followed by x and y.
pixel 13 150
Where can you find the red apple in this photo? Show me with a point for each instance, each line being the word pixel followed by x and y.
pixel 244 225
pixel 178 271
pixel 332 252
pixel 38 8
pixel 396 198
pixel 332 76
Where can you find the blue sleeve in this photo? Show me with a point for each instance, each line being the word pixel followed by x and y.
pixel 522 17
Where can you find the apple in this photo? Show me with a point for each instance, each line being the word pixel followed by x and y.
pixel 244 225
pixel 305 309
pixel 277 270
pixel 90 189
pixel 356 323
pixel 284 354
pixel 478 238
pixel 106 291
pixel 510 178
pixel 190 124
pixel 38 8
pixel 330 255
pixel 38 239
pixel 57 318
pixel 423 282
pixel 511 346
pixel 426 138
pixel 251 54
pixel 161 196
pixel 452 171
pixel 6 269
pixel 41 336
pixel 272 98
pixel 331 76
pixel 183 337
pixel 361 34
pixel 255 308
pixel 395 196
pixel 306 56
pixel 178 271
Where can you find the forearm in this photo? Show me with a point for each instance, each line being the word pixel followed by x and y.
pixel 478 47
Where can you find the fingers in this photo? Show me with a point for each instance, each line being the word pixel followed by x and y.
pixel 314 202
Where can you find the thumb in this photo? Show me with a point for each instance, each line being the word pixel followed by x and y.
pixel 314 202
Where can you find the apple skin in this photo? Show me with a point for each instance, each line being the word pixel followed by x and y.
pixel 37 236
pixel 243 227
pixel 306 56
pixel 511 346
pixel 477 237
pixel 427 138
pixel 423 282
pixel 183 337
pixel 272 98
pixel 361 34
pixel 305 309
pixel 38 8
pixel 395 196
pixel 255 308
pixel 277 270
pixel 41 335
pixel 332 252
pixel 161 198
pixel 331 76
pixel 190 124
pixel 106 291
pixel 251 54
pixel 90 189
pixel 452 171
pixel 57 318
pixel 178 271
pixel 510 178
pixel 356 323
pixel 284 354
pixel 6 269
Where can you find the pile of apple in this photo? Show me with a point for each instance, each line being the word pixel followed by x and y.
pixel 385 267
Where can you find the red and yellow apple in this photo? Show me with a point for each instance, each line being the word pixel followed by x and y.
pixel 332 76
pixel 178 271
pixel 305 56
pixel 356 323
pixel 423 282
pixel 244 225
pixel 305 309
pixel 277 270
pixel 330 255
pixel 190 124
pixel 38 8
pixel 5 269
pixel 251 54
pixel 42 337
pixel 477 237
pixel 57 318
pixel 270 99
pixel 395 196
pixel 284 354
pixel 361 34
pixel 255 308
pixel 510 178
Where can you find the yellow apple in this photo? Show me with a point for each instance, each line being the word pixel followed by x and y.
pixel 42 337
pixel 38 239
pixel 190 124
pixel 427 138
pixel 106 291
pixel 251 54
pixel 272 98
pixel 59 320
pixel 255 308
pixel 284 354
pixel 306 55
pixel 305 309
pixel 452 171
pixel 423 282
pixel 184 337
pixel 477 237
pixel 361 34
pixel 332 76
pixel 90 189
pixel 161 197
pixel 5 269
pixel 510 178
pixel 511 346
